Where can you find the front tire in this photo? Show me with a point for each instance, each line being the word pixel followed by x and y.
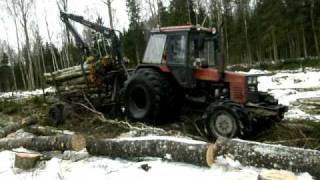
pixel 225 119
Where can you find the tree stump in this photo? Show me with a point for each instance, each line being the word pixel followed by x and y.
pixel 26 160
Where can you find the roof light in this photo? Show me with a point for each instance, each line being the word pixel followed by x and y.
pixel 214 30
pixel 198 27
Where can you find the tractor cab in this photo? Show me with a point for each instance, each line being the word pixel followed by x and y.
pixel 183 50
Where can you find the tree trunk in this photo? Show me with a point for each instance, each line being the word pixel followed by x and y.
pixel 274 44
pixel 315 37
pixel 305 53
pixel 16 126
pixel 46 143
pixel 270 156
pixel 46 131
pixel 187 151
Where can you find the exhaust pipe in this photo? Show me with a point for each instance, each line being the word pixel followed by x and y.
pixel 220 64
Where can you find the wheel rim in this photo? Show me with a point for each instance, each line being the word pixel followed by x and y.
pixel 222 123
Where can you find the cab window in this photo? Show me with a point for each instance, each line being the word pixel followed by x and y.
pixel 177 49
pixel 202 50
pixel 155 49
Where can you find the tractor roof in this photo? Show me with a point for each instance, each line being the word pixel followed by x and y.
pixel 184 28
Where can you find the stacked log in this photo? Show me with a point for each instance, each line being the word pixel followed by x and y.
pixel 74 82
pixel 68 74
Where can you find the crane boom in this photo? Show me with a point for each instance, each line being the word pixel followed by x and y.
pixel 108 33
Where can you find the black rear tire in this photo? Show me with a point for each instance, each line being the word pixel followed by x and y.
pixel 148 97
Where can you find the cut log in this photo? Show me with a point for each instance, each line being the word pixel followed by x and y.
pixel 169 148
pixel 270 156
pixel 26 160
pixel 46 130
pixel 66 76
pixel 46 143
pixel 61 71
pixel 14 127
pixel 74 81
pixel 276 175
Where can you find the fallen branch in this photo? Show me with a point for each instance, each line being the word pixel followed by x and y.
pixel 125 125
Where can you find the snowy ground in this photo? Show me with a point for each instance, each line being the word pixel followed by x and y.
pixel 104 168
pixel 290 86
pixel 25 94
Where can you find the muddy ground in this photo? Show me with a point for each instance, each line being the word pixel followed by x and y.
pixel 298 133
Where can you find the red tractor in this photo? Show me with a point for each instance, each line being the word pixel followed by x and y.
pixel 183 71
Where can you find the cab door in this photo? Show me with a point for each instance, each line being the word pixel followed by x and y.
pixel 177 46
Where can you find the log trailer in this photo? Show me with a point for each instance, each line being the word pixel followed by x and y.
pixel 182 72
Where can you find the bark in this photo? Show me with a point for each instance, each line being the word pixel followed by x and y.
pixel 305 53
pixel 315 37
pixel 26 160
pixel 46 143
pixel 75 81
pixel 270 156
pixel 66 70
pixel 46 131
pixel 16 126
pixel 65 76
pixel 190 151
pixel 274 44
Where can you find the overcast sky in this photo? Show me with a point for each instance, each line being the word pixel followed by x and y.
pixel 87 8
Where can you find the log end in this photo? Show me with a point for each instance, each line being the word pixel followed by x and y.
pixel 26 160
pixel 276 175
pixel 210 156
pixel 78 142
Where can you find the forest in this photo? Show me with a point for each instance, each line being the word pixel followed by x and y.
pixel 250 32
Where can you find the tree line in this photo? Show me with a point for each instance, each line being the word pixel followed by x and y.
pixel 250 31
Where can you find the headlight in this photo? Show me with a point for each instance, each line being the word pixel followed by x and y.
pixel 255 80
pixel 252 80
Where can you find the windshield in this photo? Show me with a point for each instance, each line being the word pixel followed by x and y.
pixel 202 50
pixel 154 51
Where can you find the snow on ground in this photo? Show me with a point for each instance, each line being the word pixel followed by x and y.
pixel 108 169
pixel 289 86
pixel 26 94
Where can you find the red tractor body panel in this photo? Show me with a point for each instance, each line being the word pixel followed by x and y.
pixel 237 82
pixel 237 85
pixel 207 74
